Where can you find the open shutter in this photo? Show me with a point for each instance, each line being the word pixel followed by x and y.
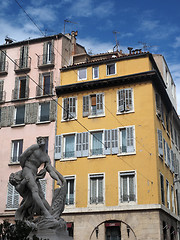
pixel 85 106
pixel 79 144
pixel 99 103
pixel 107 141
pixel 72 107
pixel 52 116
pixel 65 108
pixel 128 99
pixel 160 142
pixel 114 141
pixel 51 82
pixel 121 100
pixel 85 144
pixel 168 154
pixel 27 87
pixel 45 53
pixel 130 139
pixel 2 60
pixel 158 104
pixel 25 59
pixel 39 89
pixel 1 90
pixel 12 197
pixel 165 155
pixel 16 88
pixel 57 154
pixel 172 161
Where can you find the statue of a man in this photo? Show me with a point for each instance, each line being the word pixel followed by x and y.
pixel 27 183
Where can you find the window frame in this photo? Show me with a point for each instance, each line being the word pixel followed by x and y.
pixel 40 112
pixel 64 139
pixel 93 70
pixel 91 155
pixel 96 176
pixel 84 78
pixel 18 151
pixel 125 110
pixel 88 105
pixel 68 178
pixel 16 112
pixel 126 139
pixel 168 195
pixel 127 173
pixel 107 69
pixel 69 114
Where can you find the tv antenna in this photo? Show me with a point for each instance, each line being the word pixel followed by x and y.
pixel 68 21
pixel 145 46
pixel 117 42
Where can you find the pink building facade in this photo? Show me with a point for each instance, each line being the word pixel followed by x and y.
pixel 29 73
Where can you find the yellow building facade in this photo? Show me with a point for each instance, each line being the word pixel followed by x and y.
pixel 114 147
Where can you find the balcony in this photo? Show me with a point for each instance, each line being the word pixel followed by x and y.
pixel 46 61
pixel 22 65
pixel 20 95
pixel 44 90
pixel 2 96
pixel 3 68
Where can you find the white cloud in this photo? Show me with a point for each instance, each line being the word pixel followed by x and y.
pixel 177 42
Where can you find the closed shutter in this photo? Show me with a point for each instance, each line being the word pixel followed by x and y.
pixel 130 139
pixel 128 99
pixel 79 144
pixel 16 88
pixel 45 53
pixel 93 190
pixel 52 116
pixel 107 141
pixel 12 197
pixel 100 190
pixel 99 103
pixel 160 142
pixel 85 106
pixel 121 100
pixel 27 87
pixel 2 60
pixel 25 60
pixel 72 107
pixel 1 89
pixel 57 154
pixel 39 88
pixel 85 144
pixel 165 151
pixel 114 141
pixel 51 82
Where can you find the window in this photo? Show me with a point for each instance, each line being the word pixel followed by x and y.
pixel 19 114
pixel 159 108
pixel 17 146
pixel 167 194
pixel 2 90
pixel 111 69
pixel 162 188
pixel 12 197
pixel 70 190
pixel 23 63
pixel 47 53
pixel 69 146
pixel 172 199
pixel 93 105
pixel 96 189
pixel 69 108
pixel 45 84
pixel 21 89
pixel 82 144
pixel 160 143
pixel 168 155
pixel 127 140
pixel 82 74
pixel 127 187
pixel 44 110
pixel 125 100
pixel 2 61
pixel 97 143
pixel 95 72
pixel 165 152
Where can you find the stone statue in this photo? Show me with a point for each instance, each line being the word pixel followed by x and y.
pixel 26 182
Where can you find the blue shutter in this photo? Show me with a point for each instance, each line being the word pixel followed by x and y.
pixel 57 147
pixel 99 103
pixel 107 141
pixel 79 144
pixel 85 144
pixel 114 141
pixel 130 139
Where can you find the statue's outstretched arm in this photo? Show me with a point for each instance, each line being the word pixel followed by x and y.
pixel 52 172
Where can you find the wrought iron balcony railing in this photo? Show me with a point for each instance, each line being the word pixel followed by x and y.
pixel 22 64
pixel 46 60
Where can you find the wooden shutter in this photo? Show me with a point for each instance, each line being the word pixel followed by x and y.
pixel 85 144
pixel 52 116
pixel 114 141
pixel 65 108
pixel 160 142
pixel 45 53
pixel 128 99
pixel 72 107
pixel 2 60
pixel 39 89
pixel 51 82
pixel 16 89
pixel 12 197
pixel 27 87
pixel 130 139
pixel 1 90
pixel 99 103
pixel 25 59
pixel 79 144
pixel 165 155
pixel 57 151
pixel 168 154
pixel 107 141
pixel 85 106
pixel 121 100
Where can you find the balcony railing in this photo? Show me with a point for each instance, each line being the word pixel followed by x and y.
pixel 22 64
pixel 2 96
pixel 3 67
pixel 45 90
pixel 46 60
pixel 16 95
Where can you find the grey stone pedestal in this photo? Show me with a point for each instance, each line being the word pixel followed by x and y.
pixel 52 234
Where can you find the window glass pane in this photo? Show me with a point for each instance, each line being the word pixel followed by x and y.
pixel 111 69
pixel 82 74
pixel 95 72
pixel 97 143
pixel 124 144
pixel 44 112
pixel 17 146
pixel 22 88
pixel 46 87
pixel 69 146
pixel 20 110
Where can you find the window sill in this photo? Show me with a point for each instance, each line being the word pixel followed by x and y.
pixel 68 159
pixel 95 205
pixel 68 120
pixel 18 125
pixel 107 75
pixel 128 203
pixel 96 116
pixel 96 156
pixel 14 163
pixel 125 154
pixel 10 209
pixel 43 122
pixel 125 112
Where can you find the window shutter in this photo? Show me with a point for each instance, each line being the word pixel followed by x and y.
pixel 12 197
pixel 51 82
pixel 15 91
pixel 107 141
pixel 121 100
pixel 2 60
pixel 165 156
pixel 99 103
pixel 85 106
pixel 39 89
pixel 45 53
pixel 52 116
pixel 114 141
pixel 79 144
pixel 25 60
pixel 27 87
pixel 93 190
pixel 65 108
pixel 52 51
pixel 168 155
pixel 100 190
pixel 130 139
pixel 43 186
pixel 176 165
pixel 158 104
pixel 57 147
pixel 128 99
pixel 72 107
pixel 172 161
pixel 160 142
pixel 1 89
pixel 85 144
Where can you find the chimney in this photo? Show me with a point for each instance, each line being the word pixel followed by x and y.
pixel 130 49
pixel 73 41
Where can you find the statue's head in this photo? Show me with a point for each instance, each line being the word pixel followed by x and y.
pixel 40 141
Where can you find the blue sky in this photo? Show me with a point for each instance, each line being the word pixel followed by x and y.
pixel 155 23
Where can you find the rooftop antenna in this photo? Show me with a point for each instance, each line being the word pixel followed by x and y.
pixel 67 21
pixel 145 46
pixel 117 42
pixel 9 40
